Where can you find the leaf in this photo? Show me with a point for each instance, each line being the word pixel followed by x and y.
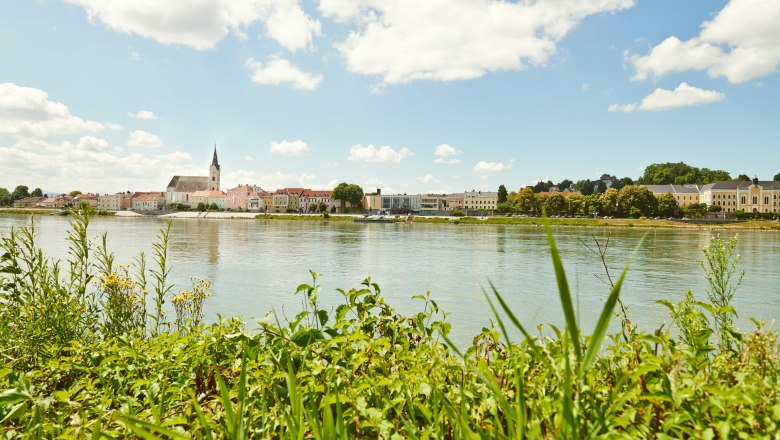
pixel 563 288
pixel 13 396
pixel 322 315
pixel 304 337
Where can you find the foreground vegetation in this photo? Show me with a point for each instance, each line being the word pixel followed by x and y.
pixel 93 348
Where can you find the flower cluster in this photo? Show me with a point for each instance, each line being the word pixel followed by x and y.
pixel 188 304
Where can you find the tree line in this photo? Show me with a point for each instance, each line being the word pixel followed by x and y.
pixel 7 198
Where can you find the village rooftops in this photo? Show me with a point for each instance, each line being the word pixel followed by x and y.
pixel 740 185
pixel 674 189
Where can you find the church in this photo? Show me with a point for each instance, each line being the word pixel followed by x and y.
pixel 182 189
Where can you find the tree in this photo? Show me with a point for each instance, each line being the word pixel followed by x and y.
pixel 575 204
pixel 592 204
pixel 322 207
pixel 667 205
pixel 502 194
pixel 637 201
pixel 542 186
pixel 680 173
pixel 5 197
pixel 564 184
pixel 743 177
pixel 348 193
pixel 608 202
pixel 36 193
pixel 527 202
pixel 504 207
pixel 555 204
pixel 585 187
pixel 74 193
pixel 201 206
pixel 620 183
pixel 213 207
pixel 777 177
pixel 20 192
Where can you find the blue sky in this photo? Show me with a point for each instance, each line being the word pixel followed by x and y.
pixel 112 95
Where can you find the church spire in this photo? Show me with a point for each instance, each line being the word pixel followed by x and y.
pixel 214 161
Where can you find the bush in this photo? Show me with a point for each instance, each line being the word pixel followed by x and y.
pixel 458 213
pixel 359 370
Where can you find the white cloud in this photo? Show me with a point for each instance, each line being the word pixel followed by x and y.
pixel 278 71
pixel 88 166
pixel 372 181
pixel 381 154
pixel 26 111
pixel 493 167
pixel 141 138
pixel 285 148
pixel 741 43
pixel 401 41
pixel 662 99
pixel 585 87
pixel 143 114
pixel 249 158
pixel 444 150
pixel 428 178
pixel 92 143
pixel 202 24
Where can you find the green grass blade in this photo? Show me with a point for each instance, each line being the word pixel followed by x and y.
pixel 563 289
pixel 147 430
pixel 515 321
pixel 498 318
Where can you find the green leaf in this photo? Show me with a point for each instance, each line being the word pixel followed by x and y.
pixel 323 316
pixel 13 396
pixel 563 288
pixel 304 337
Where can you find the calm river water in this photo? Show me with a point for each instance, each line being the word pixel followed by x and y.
pixel 256 265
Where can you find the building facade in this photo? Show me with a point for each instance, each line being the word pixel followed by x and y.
pixel 480 200
pixel 151 201
pixel 310 200
pixel 684 194
pixel 746 196
pixel 181 188
pixel 246 198
pixel 115 202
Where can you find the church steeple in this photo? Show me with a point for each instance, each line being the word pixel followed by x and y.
pixel 214 161
pixel 214 172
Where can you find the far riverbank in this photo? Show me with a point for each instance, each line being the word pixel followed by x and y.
pixel 757 225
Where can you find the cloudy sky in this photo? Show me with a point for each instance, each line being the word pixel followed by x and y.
pixel 406 95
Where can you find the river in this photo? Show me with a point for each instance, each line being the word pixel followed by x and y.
pixel 256 265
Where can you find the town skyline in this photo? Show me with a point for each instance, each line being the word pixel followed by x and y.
pixel 313 93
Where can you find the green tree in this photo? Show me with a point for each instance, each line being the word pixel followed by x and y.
pixel 322 207
pixel 608 201
pixel 592 204
pixel 502 194
pixel 637 201
pixel 667 205
pixel 543 186
pixel 201 206
pixel 555 204
pixel 348 193
pixel 5 197
pixel 743 177
pixel 36 193
pixel 777 177
pixel 74 193
pixel 527 202
pixel 585 187
pixel 575 204
pixel 504 207
pixel 20 192
pixel 564 184
pixel 213 207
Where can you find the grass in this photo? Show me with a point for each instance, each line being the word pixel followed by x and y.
pixel 359 370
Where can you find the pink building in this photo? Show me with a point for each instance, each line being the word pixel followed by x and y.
pixel 245 197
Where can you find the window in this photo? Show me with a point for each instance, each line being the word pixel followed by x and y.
pixel 766 200
pixel 755 200
pixel 744 200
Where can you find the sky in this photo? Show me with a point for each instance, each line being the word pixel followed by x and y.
pixel 408 96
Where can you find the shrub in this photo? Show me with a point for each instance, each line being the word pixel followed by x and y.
pixel 458 213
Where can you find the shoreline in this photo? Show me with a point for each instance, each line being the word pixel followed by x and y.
pixel 750 225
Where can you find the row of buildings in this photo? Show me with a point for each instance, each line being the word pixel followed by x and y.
pixel 746 196
pixel 192 191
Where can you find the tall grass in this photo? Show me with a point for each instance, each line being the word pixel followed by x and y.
pixel 360 369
